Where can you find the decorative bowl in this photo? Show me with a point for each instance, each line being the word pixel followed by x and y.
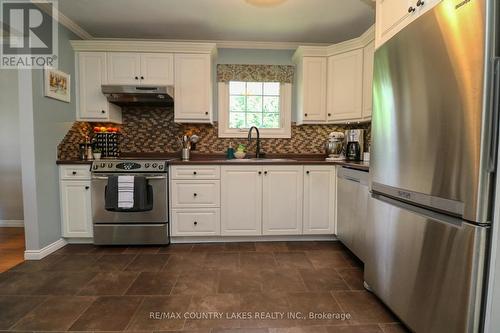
pixel 240 154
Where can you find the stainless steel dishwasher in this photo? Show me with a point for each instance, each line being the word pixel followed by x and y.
pixel 352 204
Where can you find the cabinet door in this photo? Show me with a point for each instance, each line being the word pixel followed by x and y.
pixel 368 57
pixel 157 69
pixel 92 104
pixel 282 200
pixel 241 200
pixel 391 15
pixel 345 86
pixel 124 68
pixel 193 88
pixel 313 108
pixel 319 199
pixel 76 212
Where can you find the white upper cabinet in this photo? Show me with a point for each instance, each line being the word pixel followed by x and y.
pixel 157 69
pixel 140 68
pixel 124 68
pixel 368 58
pixel 394 15
pixel 241 200
pixel 92 104
pixel 319 199
pixel 345 86
pixel 193 88
pixel 282 200
pixel 312 72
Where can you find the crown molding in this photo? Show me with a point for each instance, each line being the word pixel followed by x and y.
pixel 117 45
pixel 64 20
pixel 317 51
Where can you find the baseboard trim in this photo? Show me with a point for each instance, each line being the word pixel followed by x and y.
pixel 42 253
pixel 11 223
pixel 231 239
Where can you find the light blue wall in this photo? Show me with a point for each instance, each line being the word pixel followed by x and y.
pixel 52 120
pixel 252 57
pixel 11 195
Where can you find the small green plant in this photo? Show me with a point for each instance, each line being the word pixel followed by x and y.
pixel 241 148
pixel 97 150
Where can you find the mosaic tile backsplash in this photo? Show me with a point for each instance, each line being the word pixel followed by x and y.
pixel 153 130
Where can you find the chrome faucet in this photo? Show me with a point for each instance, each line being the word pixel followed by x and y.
pixel 257 149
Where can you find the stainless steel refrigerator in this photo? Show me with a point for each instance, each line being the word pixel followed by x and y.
pixel 434 129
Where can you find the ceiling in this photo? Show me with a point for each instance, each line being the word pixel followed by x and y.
pixel 303 21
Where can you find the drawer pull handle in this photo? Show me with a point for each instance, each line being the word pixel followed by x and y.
pixel 74 173
pixel 195 194
pixel 195 223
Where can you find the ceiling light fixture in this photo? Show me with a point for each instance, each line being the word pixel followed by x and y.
pixel 265 3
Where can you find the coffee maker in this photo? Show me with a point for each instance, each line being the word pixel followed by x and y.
pixel 354 145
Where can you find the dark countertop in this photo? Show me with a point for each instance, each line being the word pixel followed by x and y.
pixel 219 159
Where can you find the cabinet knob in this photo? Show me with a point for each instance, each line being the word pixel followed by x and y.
pixel 305 114
pixel 142 77
pixel 74 173
pixel 411 9
pixel 206 113
pixel 87 187
pixel 195 223
pixel 195 194
pixel 137 78
pixel 194 172
pixel 329 115
pixel 260 172
pixel 103 111
pixel 265 172
pixel 420 3
pixel 307 172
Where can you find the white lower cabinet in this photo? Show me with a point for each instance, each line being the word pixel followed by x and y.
pixel 241 200
pixel 319 199
pixel 282 200
pixel 196 222
pixel 76 211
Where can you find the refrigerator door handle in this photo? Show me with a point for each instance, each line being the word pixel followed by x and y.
pixel 494 120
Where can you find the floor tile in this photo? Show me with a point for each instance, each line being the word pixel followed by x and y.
pixel 240 330
pixel 353 277
pixel 328 259
pixel 108 313
pixel 176 248
pixel 222 260
pixel 64 283
pixel 317 304
pixel 394 328
pixel 239 282
pixel 203 282
pixel 268 302
pixel 364 307
pixel 224 304
pixel 271 247
pixel 22 283
pixel 281 280
pixel 37 265
pixel 208 247
pixel 76 249
pixel 142 320
pixel 305 329
pixel 113 262
pixel 13 308
pixel 293 260
pixel 302 246
pixel 323 280
pixel 240 247
pixel 109 283
pixel 142 249
pixel 115 249
pixel 257 260
pixel 148 263
pixel 74 263
pixel 153 283
pixel 184 262
pixel 55 314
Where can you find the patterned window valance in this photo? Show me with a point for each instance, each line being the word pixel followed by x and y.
pixel 256 73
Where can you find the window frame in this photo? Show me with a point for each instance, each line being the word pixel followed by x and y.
pixel 285 130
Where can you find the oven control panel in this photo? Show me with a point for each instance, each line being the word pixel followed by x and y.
pixel 119 166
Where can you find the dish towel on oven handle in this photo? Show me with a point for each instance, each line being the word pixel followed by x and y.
pixel 126 192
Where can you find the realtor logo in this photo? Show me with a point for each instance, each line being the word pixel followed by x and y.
pixel 29 36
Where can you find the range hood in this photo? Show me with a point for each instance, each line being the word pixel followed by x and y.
pixel 125 95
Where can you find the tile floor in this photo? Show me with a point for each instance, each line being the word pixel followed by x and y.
pixel 87 288
pixel 11 247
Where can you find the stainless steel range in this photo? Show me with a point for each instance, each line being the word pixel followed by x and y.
pixel 145 221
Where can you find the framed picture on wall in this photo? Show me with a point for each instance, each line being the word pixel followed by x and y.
pixel 57 85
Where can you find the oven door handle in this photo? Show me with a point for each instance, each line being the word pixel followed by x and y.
pixel 148 178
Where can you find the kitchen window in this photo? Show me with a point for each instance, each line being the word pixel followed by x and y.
pixel 266 105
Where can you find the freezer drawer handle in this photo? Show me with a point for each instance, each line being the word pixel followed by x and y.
pixel 352 179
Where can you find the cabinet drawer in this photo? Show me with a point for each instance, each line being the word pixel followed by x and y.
pixel 74 172
pixel 196 172
pixel 195 193
pixel 196 222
